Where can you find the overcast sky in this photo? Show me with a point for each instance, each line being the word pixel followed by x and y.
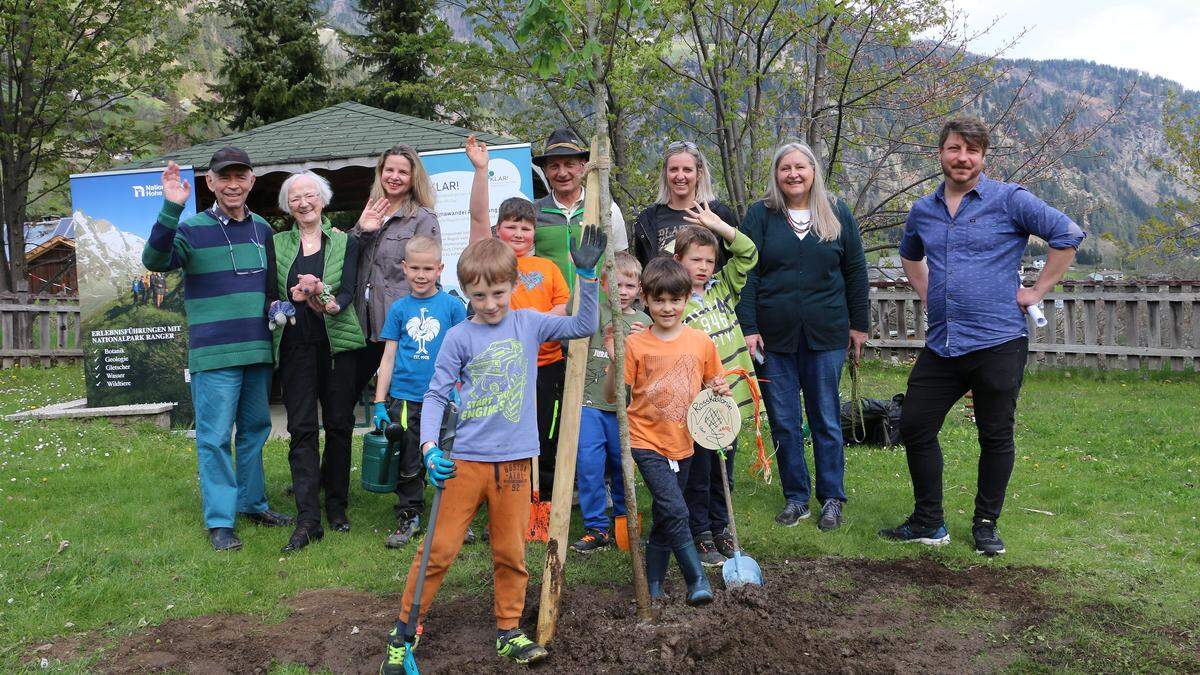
pixel 1161 37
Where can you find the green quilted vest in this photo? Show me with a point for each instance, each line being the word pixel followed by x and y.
pixel 343 329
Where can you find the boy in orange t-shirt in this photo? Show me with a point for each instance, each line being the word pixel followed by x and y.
pixel 665 367
pixel 540 286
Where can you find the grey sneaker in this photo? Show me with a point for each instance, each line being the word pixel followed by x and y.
pixel 831 515
pixel 792 514
pixel 405 531
pixel 709 555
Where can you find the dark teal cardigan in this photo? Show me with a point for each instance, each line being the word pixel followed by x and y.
pixel 807 285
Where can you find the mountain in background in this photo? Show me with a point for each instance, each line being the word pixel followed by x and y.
pixel 1110 187
pixel 108 257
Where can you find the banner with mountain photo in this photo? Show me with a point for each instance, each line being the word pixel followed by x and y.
pixel 134 328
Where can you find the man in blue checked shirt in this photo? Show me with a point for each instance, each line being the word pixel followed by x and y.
pixel 961 250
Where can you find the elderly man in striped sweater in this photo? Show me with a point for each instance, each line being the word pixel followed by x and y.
pixel 226 257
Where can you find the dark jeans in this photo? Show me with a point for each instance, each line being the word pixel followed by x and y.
pixel 309 375
pixel 549 398
pixel 410 480
pixel 366 363
pixel 934 386
pixel 817 374
pixel 704 495
pixel 667 507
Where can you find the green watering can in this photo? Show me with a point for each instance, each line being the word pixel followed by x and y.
pixel 381 459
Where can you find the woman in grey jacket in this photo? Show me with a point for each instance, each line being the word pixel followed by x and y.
pixel 400 207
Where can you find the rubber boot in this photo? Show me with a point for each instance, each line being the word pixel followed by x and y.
pixel 698 588
pixel 657 558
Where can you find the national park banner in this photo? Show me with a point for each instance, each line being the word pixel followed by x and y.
pixel 134 327
pixel 510 174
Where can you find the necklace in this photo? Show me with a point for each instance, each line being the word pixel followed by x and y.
pixel 310 243
pixel 798 226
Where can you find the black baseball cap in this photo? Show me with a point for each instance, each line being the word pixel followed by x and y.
pixel 229 156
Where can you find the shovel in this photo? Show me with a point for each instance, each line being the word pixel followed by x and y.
pixel 713 422
pixel 410 632
pixel 741 569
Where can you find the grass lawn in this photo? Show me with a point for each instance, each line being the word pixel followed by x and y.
pixel 100 525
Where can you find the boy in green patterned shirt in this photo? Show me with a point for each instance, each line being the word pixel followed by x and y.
pixel 599 454
pixel 711 308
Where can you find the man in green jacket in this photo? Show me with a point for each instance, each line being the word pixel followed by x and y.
pixel 560 213
pixel 559 220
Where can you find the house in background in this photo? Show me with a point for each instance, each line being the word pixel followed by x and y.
pixel 886 268
pixel 50 257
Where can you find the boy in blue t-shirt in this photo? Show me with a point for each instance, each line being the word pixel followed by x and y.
pixel 414 328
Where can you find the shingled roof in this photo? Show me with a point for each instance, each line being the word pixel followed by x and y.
pixel 330 138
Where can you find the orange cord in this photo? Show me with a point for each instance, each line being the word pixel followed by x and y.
pixel 762 463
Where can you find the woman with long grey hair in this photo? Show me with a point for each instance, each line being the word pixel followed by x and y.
pixel 684 181
pixel 803 307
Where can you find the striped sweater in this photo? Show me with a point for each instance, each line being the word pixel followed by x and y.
pixel 225 300
pixel 715 314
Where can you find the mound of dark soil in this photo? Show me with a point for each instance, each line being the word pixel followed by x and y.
pixel 823 615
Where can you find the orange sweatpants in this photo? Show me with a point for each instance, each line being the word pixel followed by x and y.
pixel 506 489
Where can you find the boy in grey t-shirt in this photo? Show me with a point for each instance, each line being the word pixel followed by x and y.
pixel 494 358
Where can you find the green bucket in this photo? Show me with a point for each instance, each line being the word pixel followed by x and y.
pixel 380 463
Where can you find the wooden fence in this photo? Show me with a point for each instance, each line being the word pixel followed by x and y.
pixel 1105 325
pixel 39 329
pixel 1113 325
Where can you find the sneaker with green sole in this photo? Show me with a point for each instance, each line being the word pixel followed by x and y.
pixel 399 659
pixel 515 645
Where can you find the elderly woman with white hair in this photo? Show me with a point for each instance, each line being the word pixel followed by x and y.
pixel 803 306
pixel 317 269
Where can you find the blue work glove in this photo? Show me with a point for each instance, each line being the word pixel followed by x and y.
pixel 587 252
pixel 379 416
pixel 438 467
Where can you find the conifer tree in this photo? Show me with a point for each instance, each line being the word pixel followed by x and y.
pixel 277 70
pixel 413 63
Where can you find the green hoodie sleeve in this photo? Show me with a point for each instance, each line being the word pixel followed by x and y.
pixel 743 256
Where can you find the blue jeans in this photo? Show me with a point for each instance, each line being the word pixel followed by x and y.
pixel 817 375
pixel 599 456
pixel 223 397
pixel 667 507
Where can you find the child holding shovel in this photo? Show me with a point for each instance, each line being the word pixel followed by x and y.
pixel 494 357
pixel 540 286
pixel 665 367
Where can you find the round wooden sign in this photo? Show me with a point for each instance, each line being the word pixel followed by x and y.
pixel 714 421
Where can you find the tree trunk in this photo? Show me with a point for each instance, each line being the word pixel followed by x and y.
pixel 819 99
pixel 14 190
pixel 601 156
pixel 620 158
